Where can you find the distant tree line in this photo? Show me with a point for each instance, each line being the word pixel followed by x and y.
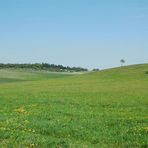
pixel 96 69
pixel 43 66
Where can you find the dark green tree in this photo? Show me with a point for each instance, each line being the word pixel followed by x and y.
pixel 122 61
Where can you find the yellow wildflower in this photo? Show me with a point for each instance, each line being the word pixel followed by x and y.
pixel 21 110
pixel 145 128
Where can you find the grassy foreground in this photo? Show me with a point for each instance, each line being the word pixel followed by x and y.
pixel 99 109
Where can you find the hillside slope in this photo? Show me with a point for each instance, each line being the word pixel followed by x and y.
pixel 98 109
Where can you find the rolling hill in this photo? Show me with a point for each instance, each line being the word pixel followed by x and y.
pixel 107 108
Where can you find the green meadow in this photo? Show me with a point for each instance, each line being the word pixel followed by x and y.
pixel 108 108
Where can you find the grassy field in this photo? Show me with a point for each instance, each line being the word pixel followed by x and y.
pixel 108 108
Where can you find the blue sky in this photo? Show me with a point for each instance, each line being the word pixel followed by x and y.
pixel 87 33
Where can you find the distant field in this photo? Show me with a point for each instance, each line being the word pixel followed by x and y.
pixel 108 108
pixel 15 75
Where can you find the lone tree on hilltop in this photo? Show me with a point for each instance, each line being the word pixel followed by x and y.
pixel 122 61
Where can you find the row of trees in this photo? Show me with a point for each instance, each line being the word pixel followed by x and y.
pixel 43 66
